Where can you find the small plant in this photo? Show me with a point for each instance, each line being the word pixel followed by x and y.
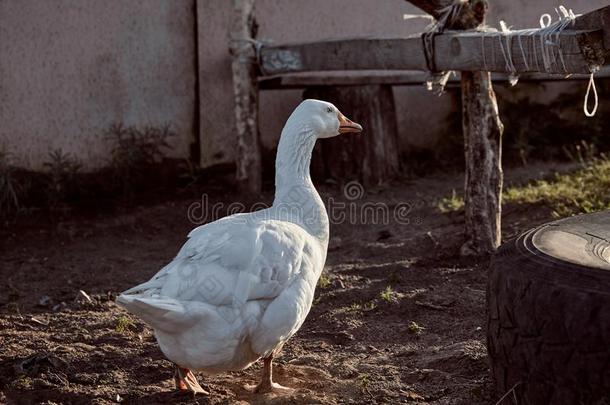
pixel 324 281
pixel 414 328
pixel 365 382
pixel 369 306
pixel 583 152
pixel 124 324
pixel 582 191
pixel 135 150
pixel 388 295
pixel 9 201
pixel 62 176
pixel 451 204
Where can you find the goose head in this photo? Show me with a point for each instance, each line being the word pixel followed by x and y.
pixel 322 118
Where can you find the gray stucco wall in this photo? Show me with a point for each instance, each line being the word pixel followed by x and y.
pixel 71 68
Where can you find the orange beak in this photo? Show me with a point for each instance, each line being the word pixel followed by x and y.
pixel 346 125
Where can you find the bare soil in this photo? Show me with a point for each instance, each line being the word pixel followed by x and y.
pixel 422 342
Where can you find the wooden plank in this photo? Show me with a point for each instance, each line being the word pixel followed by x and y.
pixel 396 78
pixel 342 78
pixel 344 54
pixel 245 88
pixel 477 51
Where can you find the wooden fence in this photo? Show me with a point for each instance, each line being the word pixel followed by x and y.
pixel 459 42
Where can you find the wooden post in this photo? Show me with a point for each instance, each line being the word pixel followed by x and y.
pixel 483 148
pixel 245 89
pixel 370 157
pixel 482 139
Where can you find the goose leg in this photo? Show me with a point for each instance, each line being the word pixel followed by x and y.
pixel 186 381
pixel 267 385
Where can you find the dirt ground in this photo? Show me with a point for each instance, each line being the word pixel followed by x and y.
pixel 422 341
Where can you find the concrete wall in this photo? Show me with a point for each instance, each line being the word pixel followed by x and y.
pixel 71 68
pixel 292 20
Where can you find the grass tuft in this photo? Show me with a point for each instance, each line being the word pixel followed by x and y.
pixel 388 295
pixel 124 324
pixel 324 281
pixel 451 204
pixel 134 151
pixel 414 328
pixel 61 176
pixel 582 191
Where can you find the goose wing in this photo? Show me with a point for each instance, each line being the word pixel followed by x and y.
pixel 230 262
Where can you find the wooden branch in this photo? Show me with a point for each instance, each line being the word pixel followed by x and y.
pixel 432 7
pixel 245 89
pixel 476 51
pixel 470 15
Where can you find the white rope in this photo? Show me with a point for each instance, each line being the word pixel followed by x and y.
pixel 595 97
pixel 513 78
pixel 414 16
pixel 547 55
pixel 548 50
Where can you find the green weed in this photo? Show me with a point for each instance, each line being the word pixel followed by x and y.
pixel 388 295
pixel 582 191
pixel 414 328
pixel 124 324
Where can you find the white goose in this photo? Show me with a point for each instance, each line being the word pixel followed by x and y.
pixel 241 286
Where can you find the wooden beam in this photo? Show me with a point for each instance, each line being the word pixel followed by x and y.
pixel 396 78
pixel 475 51
pixel 245 89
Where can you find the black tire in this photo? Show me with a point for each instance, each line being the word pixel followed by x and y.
pixel 548 314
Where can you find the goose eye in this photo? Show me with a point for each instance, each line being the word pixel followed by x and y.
pixel 329 110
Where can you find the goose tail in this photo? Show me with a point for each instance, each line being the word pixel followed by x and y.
pixel 162 313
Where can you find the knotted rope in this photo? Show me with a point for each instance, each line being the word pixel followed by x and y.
pixel 543 57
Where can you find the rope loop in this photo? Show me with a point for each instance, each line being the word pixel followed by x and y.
pixel 545 20
pixel 590 87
